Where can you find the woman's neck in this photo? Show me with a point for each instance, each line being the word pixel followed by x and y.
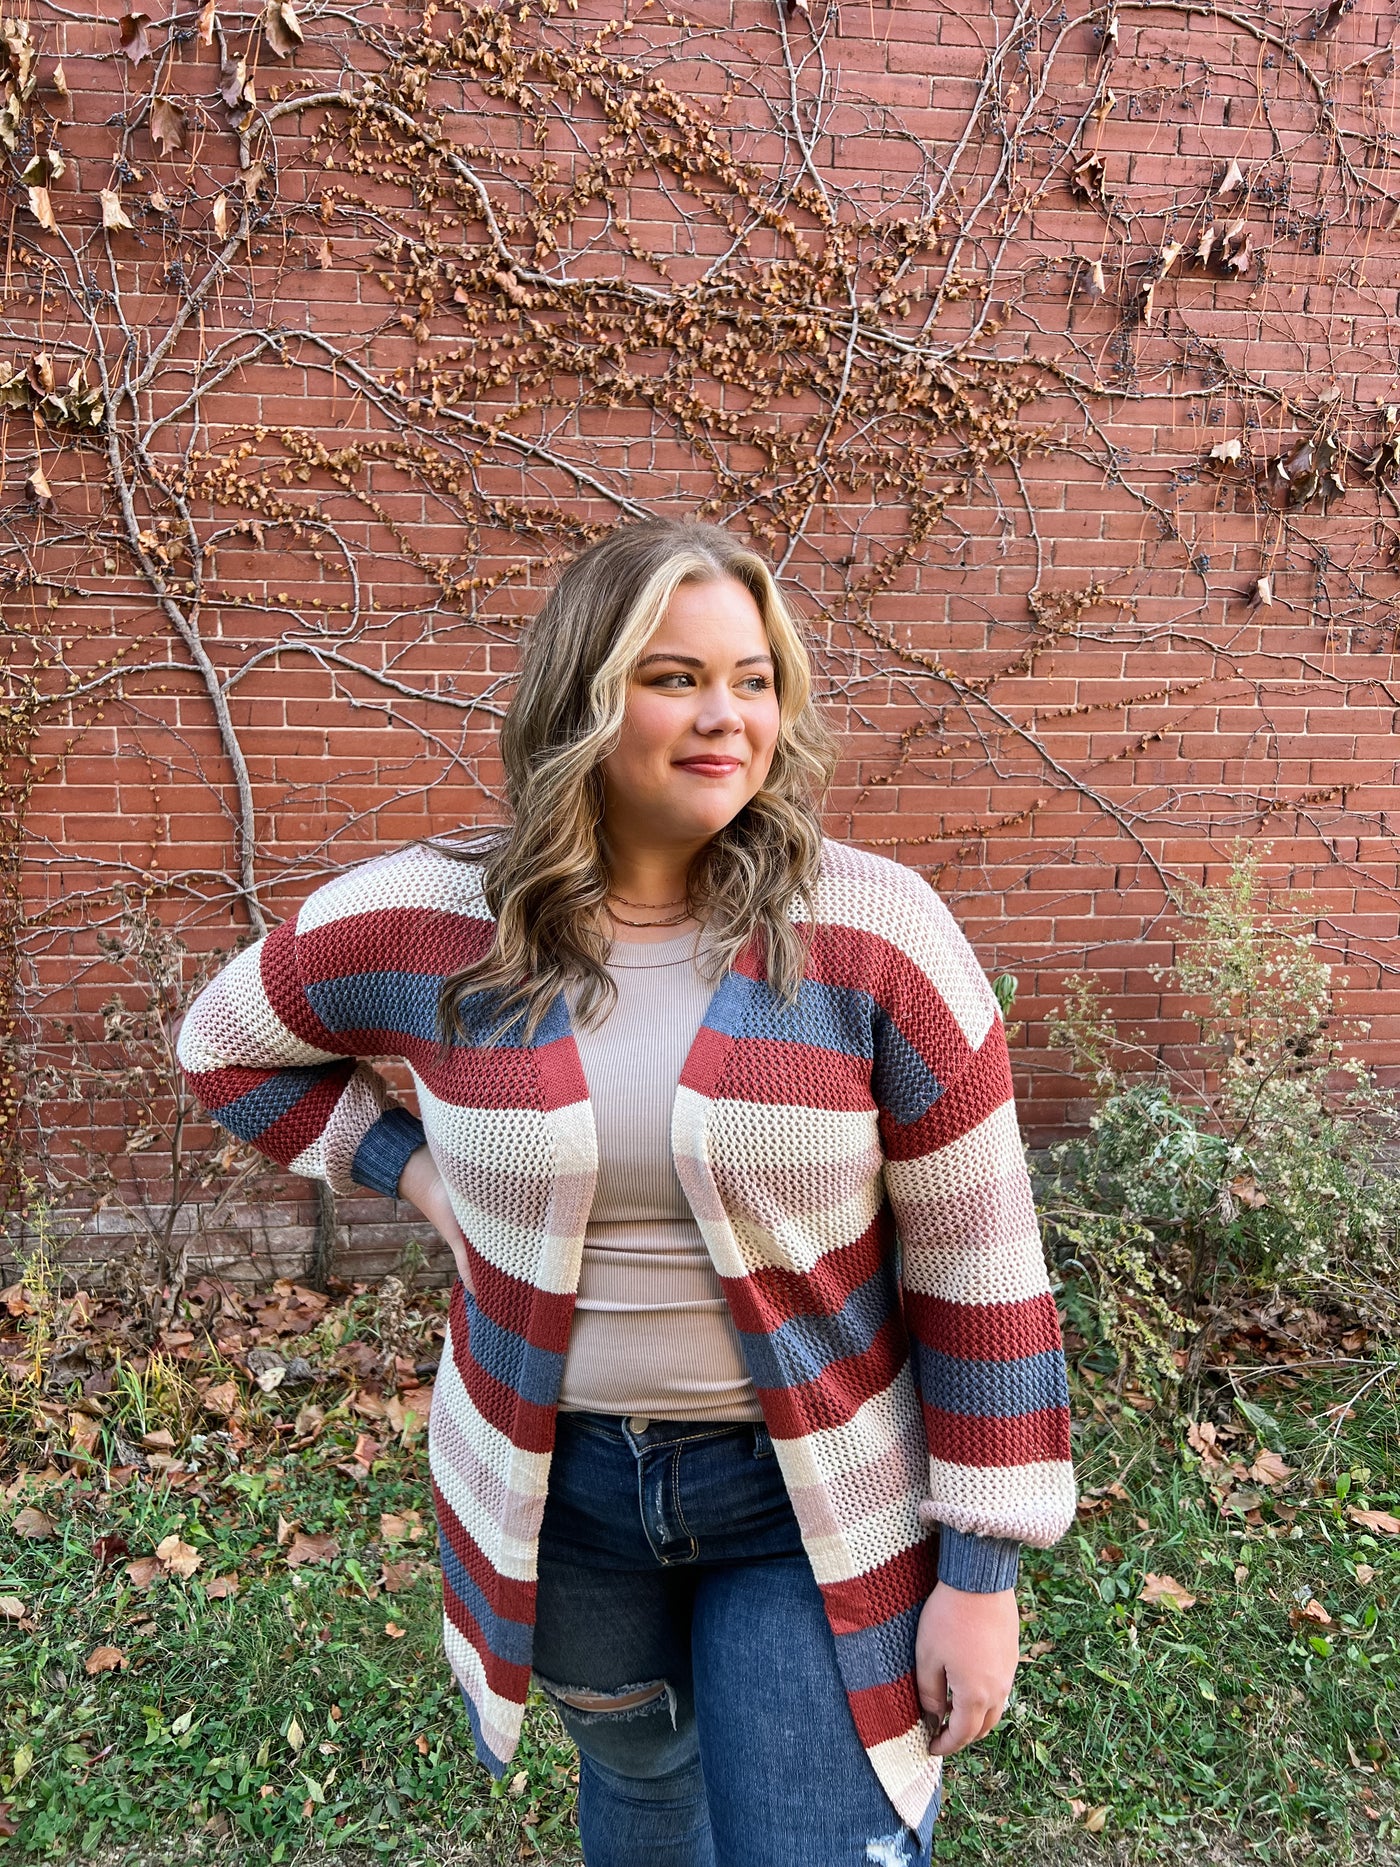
pixel 647 894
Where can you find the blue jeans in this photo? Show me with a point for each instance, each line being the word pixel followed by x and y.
pixel 682 1639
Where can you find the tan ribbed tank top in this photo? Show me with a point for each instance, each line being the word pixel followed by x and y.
pixel 652 1334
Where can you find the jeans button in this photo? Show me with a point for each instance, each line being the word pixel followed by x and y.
pixel 637 1423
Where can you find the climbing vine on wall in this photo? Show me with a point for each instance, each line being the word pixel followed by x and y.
pixel 1060 397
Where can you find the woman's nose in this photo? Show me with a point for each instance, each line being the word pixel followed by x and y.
pixel 718 713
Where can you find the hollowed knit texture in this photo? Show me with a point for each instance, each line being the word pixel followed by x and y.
pixel 854 1165
pixel 651 1332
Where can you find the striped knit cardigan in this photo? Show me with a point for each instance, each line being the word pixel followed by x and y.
pixel 854 1165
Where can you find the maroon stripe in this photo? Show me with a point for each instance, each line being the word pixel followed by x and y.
pixel 306 1120
pixel 840 1390
pixel 505 1680
pixel 984 1331
pixel 904 1582
pixel 215 1089
pixel 912 1002
pixel 511 1599
pixel 409 939
pixel 883 1712
pixel 509 1302
pixel 281 980
pixel 1028 1439
pixel 985 1086
pixel 767 1298
pixel 525 1423
pixel 766 1070
pixel 559 1073
pixel 706 1060
pixel 471 1077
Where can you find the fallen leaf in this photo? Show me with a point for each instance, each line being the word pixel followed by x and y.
pixel 407 1528
pixel 1160 1588
pixel 309 1421
pixel 33 1523
pixel 1038 1649
pixel 1309 1610
pixel 1365 1574
pixel 397 1576
pixel 104 1660
pixel 296 1737
pixel 284 1530
pixel 1269 1469
pixel 222 1399
pixel 142 1571
pixel 369 1406
pixel 159 1441
pixel 367 1450
pixel 12 1608
pixel 1378 1520
pixel 176 1557
pixel 109 1549
pixel 318 1548
pixel 1202 1438
pixel 221 1587
pixel 1096 1818
pixel 394 1631
pixel 114 215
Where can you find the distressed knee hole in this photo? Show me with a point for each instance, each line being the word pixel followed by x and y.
pixel 628 1701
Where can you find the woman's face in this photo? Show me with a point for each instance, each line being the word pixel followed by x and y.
pixel 701 720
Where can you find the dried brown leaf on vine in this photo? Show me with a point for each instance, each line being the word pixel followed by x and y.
pixel 135 42
pixel 41 208
pixel 207 15
pixel 1227 452
pixel 326 256
pixel 1262 596
pixel 39 489
pixel 1089 281
pixel 282 28
pixel 1231 182
pixel 1088 179
pixel 167 125
pixel 221 217
pixel 114 217
pixel 234 85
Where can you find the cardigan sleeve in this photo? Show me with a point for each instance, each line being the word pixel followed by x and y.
pixel 984 1330
pixel 258 1057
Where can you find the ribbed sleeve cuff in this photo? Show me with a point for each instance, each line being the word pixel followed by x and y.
pixel 982 1565
pixel 382 1155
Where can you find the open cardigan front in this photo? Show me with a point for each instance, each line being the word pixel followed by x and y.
pixel 854 1164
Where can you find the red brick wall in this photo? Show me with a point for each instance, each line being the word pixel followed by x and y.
pixel 1057 693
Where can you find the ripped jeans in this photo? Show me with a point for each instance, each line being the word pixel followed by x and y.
pixel 683 1641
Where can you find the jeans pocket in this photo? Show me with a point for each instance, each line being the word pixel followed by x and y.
pixel 762 1442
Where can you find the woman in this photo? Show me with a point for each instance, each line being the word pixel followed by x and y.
pixel 753 1382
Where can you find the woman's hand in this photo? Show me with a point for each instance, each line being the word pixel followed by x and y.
pixel 965 1656
pixel 421 1185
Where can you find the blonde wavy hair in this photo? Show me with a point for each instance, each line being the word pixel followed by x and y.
pixel 546 876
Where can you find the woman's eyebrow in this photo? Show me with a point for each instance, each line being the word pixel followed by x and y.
pixel 694 661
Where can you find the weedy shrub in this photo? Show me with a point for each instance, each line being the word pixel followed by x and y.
pixel 115 1127
pixel 1257 1164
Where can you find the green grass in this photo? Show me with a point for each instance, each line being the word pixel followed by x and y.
pixel 1225 1732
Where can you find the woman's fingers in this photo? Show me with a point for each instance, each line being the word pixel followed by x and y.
pixel 964 1727
pixel 933 1694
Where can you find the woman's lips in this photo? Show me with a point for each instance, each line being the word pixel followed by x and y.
pixel 710 767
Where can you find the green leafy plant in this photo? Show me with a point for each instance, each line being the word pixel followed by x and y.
pixel 1253 1162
